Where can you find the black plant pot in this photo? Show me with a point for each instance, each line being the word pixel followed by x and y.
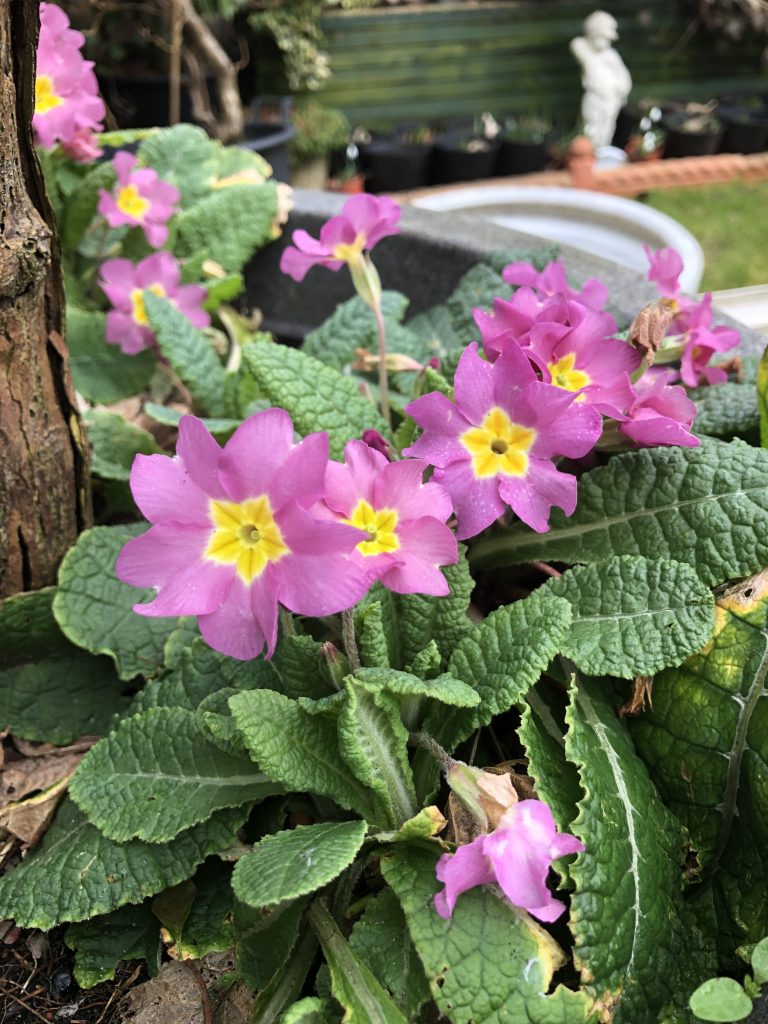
pixel 680 143
pixel 522 157
pixel 746 129
pixel 455 158
pixel 271 141
pixel 142 100
pixel 626 125
pixel 393 166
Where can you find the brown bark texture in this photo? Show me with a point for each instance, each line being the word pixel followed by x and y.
pixel 44 490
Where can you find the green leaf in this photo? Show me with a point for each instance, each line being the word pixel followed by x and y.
pixel 221 290
pixel 158 774
pixel 116 443
pixel 316 396
pixel 634 616
pixel 77 873
pixel 727 410
pixel 705 742
pixel 490 963
pixel 706 506
pixel 130 933
pixel 351 326
pixel 478 287
pixel 190 354
pixel 94 609
pixel 310 1011
pixel 443 688
pixel 371 636
pixel 556 779
pixel 354 985
pixel 221 428
pixel 101 373
pixel 265 939
pixel 435 328
pixel 502 659
pixel 374 743
pixel 721 999
pixel 228 226
pixel 628 918
pixel 80 207
pixel 381 940
pixel 204 924
pixel 296 862
pixel 286 984
pixel 298 749
pixel 264 942
pixel 51 691
pixel 185 156
pixel 759 961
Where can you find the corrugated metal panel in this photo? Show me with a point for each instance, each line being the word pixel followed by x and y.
pixel 456 59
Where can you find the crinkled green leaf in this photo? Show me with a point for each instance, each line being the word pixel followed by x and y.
pixel 762 397
pixel 490 963
pixel 115 444
pixel 372 640
pixel 158 774
pixel 444 688
pixel 705 742
pixel 221 428
pixel 628 918
pixel 185 156
pixel 94 609
pixel 351 326
pixel 264 942
pixel 101 372
pixel 130 933
pixel 435 328
pixel 426 664
pixel 317 397
pixel 478 287
pixel 706 506
pixel 227 226
pixel 80 207
pixel 727 410
pixel 191 355
pixel 353 984
pixel 295 863
pixel 634 616
pixel 538 257
pixel 381 940
pixel 502 658
pixel 721 999
pixel 374 743
pixel 221 290
pixel 297 748
pixel 77 873
pixel 759 962
pixel 205 924
pixel 556 779
pixel 50 691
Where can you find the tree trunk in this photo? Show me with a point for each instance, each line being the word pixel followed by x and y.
pixel 44 482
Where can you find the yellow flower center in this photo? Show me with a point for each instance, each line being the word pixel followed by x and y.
pixel 245 533
pixel 45 96
pixel 565 376
pixel 138 309
pixel 131 203
pixel 380 526
pixel 350 251
pixel 498 445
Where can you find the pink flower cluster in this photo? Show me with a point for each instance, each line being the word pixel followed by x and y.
pixel 140 199
pixel 265 521
pixel 68 108
pixel 124 284
pixel 692 324
pixel 516 856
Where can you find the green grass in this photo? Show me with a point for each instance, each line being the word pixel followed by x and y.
pixel 731 224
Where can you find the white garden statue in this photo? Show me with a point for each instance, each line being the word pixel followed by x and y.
pixel 604 76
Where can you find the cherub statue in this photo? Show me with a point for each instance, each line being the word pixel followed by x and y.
pixel 604 76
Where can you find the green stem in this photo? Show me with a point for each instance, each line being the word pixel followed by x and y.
pixel 349 640
pixel 383 372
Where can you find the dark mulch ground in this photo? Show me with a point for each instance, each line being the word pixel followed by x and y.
pixel 36 983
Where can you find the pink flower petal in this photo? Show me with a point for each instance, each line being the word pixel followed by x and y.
pixel 233 628
pixel 253 454
pixel 531 497
pixel 165 491
pixel 467 867
pixel 400 486
pixel 200 453
pixel 477 502
pixel 302 474
pixel 320 585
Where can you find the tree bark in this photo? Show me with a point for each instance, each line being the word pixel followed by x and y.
pixel 44 481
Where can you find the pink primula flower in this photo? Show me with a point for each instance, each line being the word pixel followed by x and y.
pixel 68 108
pixel 123 283
pixel 666 266
pixel 702 341
pixel 232 534
pixel 363 222
pixel 140 198
pixel 553 280
pixel 403 518
pixel 516 856
pixel 659 414
pixel 585 360
pixel 493 446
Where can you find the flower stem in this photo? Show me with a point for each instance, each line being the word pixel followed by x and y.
pixel 348 638
pixel 383 375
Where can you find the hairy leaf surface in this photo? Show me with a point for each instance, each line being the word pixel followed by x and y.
pixel 130 933
pixel 101 372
